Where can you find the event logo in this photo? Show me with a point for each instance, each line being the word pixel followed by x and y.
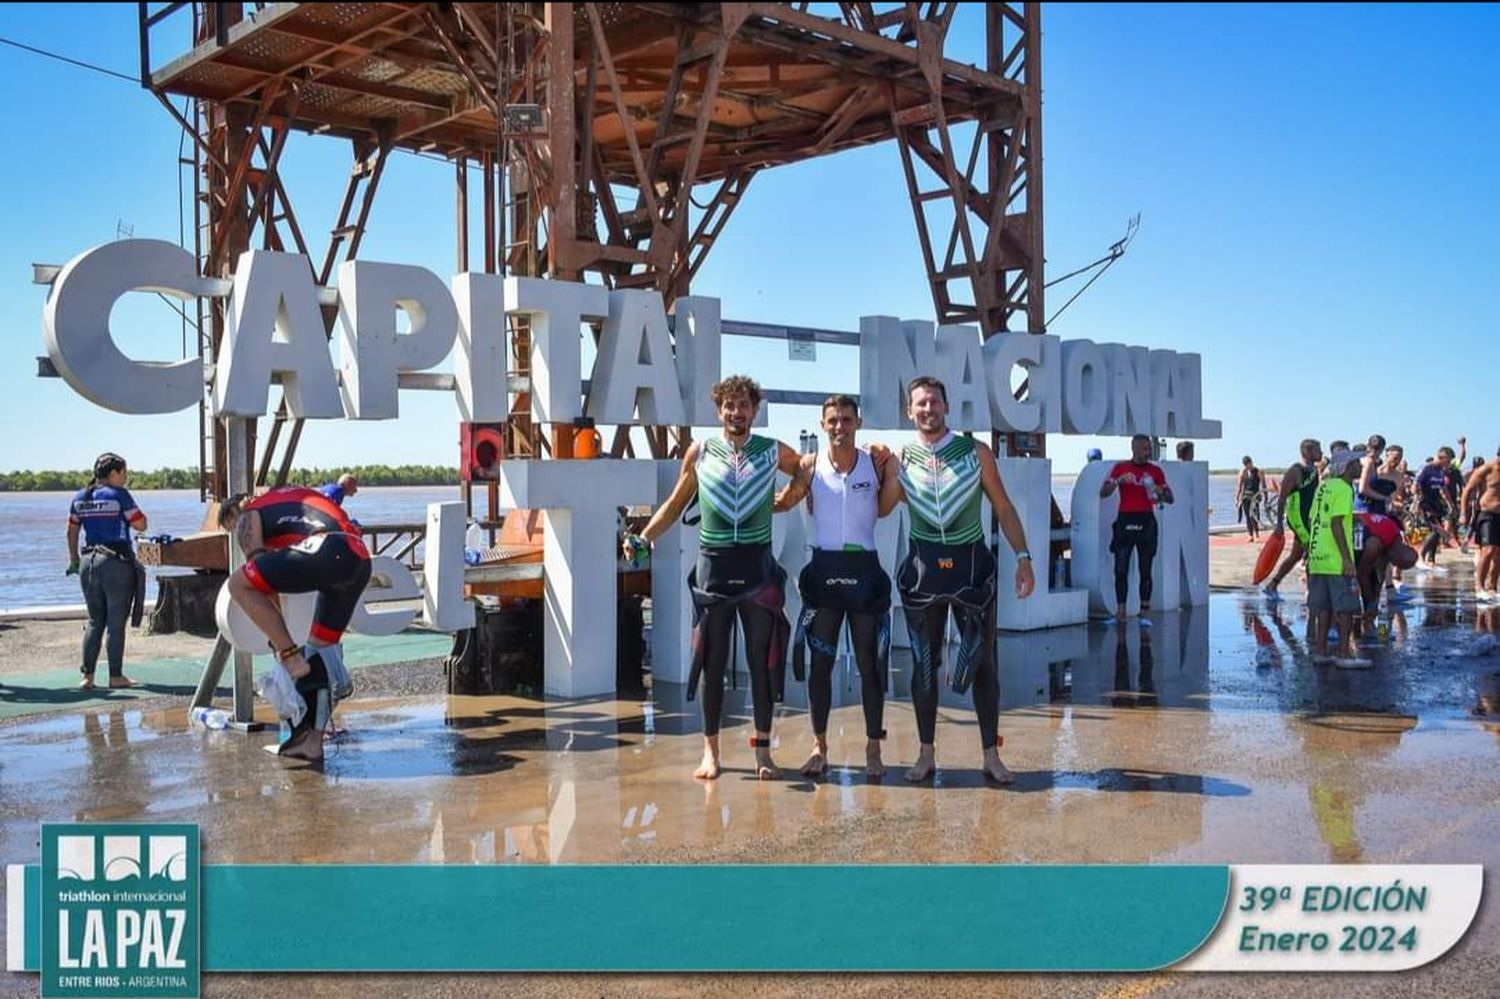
pixel 120 910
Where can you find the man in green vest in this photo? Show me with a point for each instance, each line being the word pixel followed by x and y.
pixel 949 567
pixel 733 477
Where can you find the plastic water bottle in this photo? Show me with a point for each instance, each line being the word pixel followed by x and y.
pixel 210 718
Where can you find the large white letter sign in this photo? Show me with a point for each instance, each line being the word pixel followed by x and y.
pixel 1190 371
pixel 635 371
pixel 697 334
pixel 891 354
pixel 443 605
pixel 1179 573
pixel 275 326
pixel 371 349
pixel 1040 409
pixel 578 500
pixel 76 325
pixel 1028 483
pixel 557 310
pixel 1085 387
pixel 960 367
pixel 1130 390
pixel 1169 398
pixel 480 368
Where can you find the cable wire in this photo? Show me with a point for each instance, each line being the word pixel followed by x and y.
pixel 69 60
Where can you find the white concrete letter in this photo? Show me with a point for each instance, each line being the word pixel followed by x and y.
pixel 959 364
pixel 75 323
pixel 480 367
pixel 372 352
pixel 698 337
pixel 891 354
pixel 275 327
pixel 635 372
pixel 578 500
pixel 557 310
pixel 1085 387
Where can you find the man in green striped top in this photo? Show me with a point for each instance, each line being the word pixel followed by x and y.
pixel 733 477
pixel 948 566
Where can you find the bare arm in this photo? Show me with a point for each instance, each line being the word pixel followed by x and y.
pixel 1472 488
pixel 787 459
pixel 792 493
pixel 1339 523
pixel 72 543
pixel 1005 513
pixel 1109 487
pixel 1367 479
pixel 682 494
pixel 891 491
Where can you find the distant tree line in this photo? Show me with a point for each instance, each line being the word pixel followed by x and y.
pixel 187 478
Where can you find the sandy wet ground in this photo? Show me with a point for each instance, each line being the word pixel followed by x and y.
pixel 1209 738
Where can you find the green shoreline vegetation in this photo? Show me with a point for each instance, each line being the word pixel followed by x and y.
pixel 187 478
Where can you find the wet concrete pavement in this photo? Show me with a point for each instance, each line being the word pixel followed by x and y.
pixel 1208 738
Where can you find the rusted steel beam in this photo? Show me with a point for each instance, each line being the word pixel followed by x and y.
pixel 601 45
pixel 235 187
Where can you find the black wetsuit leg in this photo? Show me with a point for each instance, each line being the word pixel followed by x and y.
pixel 825 630
pixel 864 633
pixel 1146 555
pixel 924 681
pixel 1122 574
pixel 759 628
pixel 987 688
pixel 718 637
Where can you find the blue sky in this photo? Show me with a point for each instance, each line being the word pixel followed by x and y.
pixel 1317 187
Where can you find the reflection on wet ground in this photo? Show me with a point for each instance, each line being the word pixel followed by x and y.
pixel 1210 736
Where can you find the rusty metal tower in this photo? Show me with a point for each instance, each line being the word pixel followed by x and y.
pixel 607 141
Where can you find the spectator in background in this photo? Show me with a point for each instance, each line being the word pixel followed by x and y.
pixel 345 488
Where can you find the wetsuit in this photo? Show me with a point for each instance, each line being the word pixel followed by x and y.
pixel 948 566
pixel 844 580
pixel 112 580
pixel 1135 527
pixel 1250 497
pixel 312 546
pixel 736 575
pixel 1432 482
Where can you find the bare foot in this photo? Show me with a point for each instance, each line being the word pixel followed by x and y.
pixel 121 682
pixel 994 769
pixel 874 765
pixel 925 766
pixel 709 769
pixel 304 745
pixel 765 767
pixel 818 761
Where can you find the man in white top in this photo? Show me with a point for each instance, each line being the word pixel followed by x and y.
pixel 842 484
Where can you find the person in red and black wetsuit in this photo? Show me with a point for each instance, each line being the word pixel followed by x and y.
pixel 1142 485
pixel 299 541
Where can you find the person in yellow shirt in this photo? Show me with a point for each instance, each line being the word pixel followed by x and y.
pixel 1332 586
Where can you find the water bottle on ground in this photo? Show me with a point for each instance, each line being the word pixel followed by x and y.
pixel 209 718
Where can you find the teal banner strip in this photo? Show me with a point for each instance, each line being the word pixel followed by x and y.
pixel 709 918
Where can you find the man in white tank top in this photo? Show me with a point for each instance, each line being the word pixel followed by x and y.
pixel 842 485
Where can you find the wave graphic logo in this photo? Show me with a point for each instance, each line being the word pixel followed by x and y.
pixel 122 858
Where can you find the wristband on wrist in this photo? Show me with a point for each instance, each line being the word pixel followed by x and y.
pixel 1023 555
